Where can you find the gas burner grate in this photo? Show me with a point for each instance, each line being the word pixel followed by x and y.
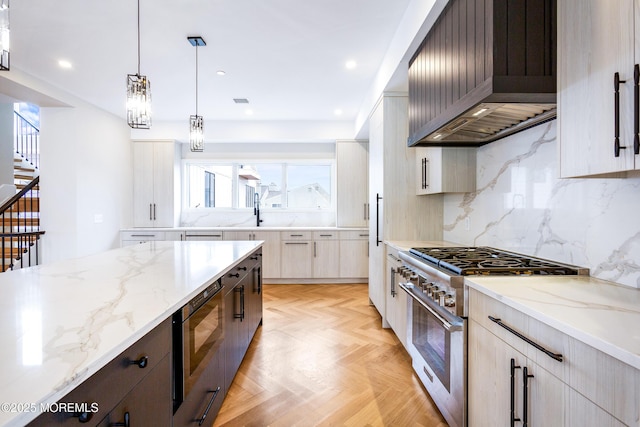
pixel 484 260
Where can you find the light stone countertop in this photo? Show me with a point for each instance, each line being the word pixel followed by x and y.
pixel 62 322
pixel 405 245
pixel 261 228
pixel 601 314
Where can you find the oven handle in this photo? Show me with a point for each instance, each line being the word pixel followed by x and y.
pixel 449 326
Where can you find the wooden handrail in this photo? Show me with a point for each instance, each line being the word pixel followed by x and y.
pixel 19 195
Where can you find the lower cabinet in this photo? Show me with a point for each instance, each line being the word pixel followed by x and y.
pixel 296 253
pixel 354 254
pixel 510 380
pixel 396 300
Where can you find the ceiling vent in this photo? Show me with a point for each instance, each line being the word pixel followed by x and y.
pixel 241 100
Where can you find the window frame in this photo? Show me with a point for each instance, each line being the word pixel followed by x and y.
pixel 236 163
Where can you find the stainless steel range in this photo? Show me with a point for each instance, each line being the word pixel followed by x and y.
pixel 437 331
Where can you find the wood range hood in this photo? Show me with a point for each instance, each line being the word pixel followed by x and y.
pixel 485 70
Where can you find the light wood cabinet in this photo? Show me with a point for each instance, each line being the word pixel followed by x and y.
pixel 296 254
pixel 354 254
pixel 326 254
pixel 155 184
pixel 585 388
pixel 596 41
pixel 352 177
pixel 445 170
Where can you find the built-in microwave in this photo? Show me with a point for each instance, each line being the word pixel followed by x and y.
pixel 197 335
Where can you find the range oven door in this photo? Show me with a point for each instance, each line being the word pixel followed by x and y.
pixel 437 344
pixel 198 335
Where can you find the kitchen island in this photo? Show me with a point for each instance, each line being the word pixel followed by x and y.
pixel 63 322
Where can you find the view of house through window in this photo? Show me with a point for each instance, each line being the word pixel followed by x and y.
pixel 281 185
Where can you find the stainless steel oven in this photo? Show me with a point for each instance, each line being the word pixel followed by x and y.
pixel 437 333
pixel 197 335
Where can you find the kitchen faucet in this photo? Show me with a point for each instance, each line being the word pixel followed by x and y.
pixel 256 208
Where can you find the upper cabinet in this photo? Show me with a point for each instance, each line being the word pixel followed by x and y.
pixel 486 69
pixel 598 122
pixel 352 174
pixel 155 184
pixel 445 170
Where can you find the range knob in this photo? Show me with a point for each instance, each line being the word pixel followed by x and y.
pixel 433 291
pixel 450 300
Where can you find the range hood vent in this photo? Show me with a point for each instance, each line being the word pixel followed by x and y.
pixel 485 70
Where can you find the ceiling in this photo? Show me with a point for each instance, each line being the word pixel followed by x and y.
pixel 287 57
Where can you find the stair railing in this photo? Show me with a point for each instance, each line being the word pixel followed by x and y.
pixel 20 221
pixel 27 140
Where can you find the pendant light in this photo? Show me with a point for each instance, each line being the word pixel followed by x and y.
pixel 138 94
pixel 4 35
pixel 196 122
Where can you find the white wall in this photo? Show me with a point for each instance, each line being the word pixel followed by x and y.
pixel 6 144
pixel 522 205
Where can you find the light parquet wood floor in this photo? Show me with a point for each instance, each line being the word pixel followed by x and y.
pixel 322 358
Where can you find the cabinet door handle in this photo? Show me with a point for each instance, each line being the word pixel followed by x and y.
pixel 315 249
pixel 616 96
pixel 296 235
pixel 513 393
pixel 636 109
pixel 555 356
pixel 206 411
pixel 378 198
pixel 242 268
pixel 142 362
pixel 150 212
pixel 393 281
pixel 296 243
pixel 234 275
pixel 85 416
pixel 364 205
pixel 525 396
pixel 154 212
pixel 123 424
pixel 240 290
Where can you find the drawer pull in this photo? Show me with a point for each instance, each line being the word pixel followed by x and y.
pixel 242 268
pixel 254 258
pixel 125 423
pixel 206 411
pixel 555 356
pixel 234 275
pixel 142 362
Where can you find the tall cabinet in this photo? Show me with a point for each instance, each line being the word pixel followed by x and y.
pixel 597 44
pixel 352 176
pixel 156 184
pixel 396 212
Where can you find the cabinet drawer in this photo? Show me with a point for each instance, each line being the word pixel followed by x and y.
pixel 142 236
pixel 354 235
pixel 237 273
pixel 295 235
pixel 203 235
pixel 109 385
pixel 325 235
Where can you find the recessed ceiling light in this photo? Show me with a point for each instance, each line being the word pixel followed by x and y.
pixel 220 72
pixel 351 64
pixel 337 112
pixel 63 63
pixel 248 112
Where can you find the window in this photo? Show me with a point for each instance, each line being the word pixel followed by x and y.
pixel 296 185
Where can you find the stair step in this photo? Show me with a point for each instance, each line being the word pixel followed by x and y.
pixel 23 168
pixel 28 205
pixel 21 176
pixel 15 222
pixel 14 253
pixel 21 185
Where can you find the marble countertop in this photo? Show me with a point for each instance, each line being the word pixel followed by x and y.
pixel 602 314
pixel 62 322
pixel 261 228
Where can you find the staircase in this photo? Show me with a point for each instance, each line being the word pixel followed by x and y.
pixel 20 215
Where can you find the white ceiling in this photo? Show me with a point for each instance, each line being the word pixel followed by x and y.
pixel 287 57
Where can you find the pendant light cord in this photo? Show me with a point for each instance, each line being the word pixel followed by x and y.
pixel 197 43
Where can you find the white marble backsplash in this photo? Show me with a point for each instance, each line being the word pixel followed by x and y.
pixel 520 204
pixel 245 218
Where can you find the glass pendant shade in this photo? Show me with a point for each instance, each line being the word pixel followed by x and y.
pixel 196 133
pixel 138 101
pixel 4 35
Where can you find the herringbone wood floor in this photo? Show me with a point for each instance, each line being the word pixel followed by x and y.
pixel 321 358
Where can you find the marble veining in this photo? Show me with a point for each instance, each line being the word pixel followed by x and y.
pixel 599 313
pixel 521 205
pixel 62 322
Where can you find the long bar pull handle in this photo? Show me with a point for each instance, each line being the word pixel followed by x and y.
pixel 513 392
pixel 378 198
pixel 150 212
pixel 555 356
pixel 393 281
pixel 206 411
pixel 616 95
pixel 636 109
pixel 525 396
pixel 422 170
